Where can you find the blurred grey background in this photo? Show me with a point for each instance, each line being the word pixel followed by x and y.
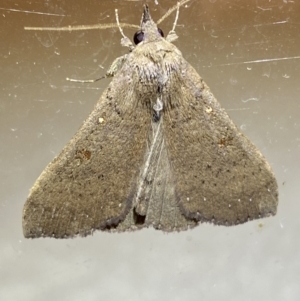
pixel 248 52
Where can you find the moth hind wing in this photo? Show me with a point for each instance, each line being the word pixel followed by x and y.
pixel 219 175
pixel 90 184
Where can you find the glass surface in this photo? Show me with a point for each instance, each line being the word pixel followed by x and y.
pixel 247 52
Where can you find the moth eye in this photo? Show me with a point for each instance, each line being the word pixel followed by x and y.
pixel 139 36
pixel 160 32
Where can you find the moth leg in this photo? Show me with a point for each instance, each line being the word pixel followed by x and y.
pixel 172 36
pixel 111 72
pixel 116 65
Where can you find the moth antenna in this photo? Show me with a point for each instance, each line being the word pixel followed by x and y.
pixel 124 41
pixel 168 13
pixel 108 25
pixel 176 18
pixel 118 23
pixel 172 36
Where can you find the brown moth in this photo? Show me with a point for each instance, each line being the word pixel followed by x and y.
pixel 157 150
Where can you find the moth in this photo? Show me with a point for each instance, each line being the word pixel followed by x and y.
pixel 157 150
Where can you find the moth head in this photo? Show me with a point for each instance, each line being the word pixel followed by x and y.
pixel 149 31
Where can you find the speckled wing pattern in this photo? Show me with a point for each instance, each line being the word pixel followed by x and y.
pixel 90 185
pixel 220 176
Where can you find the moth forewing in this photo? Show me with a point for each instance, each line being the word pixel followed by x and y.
pixel 220 176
